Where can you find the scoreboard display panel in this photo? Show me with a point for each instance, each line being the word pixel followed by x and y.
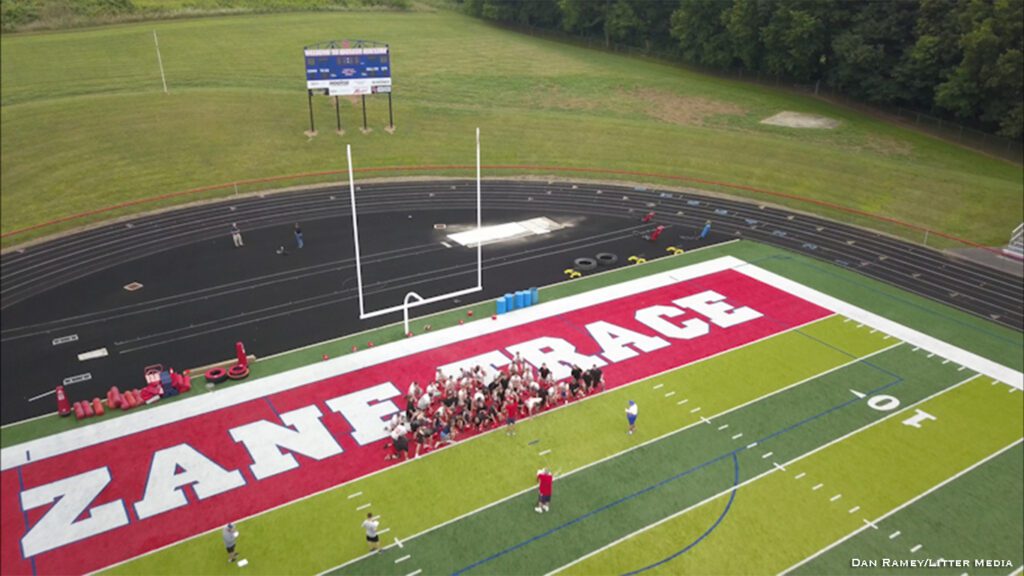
pixel 348 71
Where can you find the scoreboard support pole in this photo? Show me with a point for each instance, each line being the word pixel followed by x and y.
pixel 365 129
pixel 337 115
pixel 391 115
pixel 312 127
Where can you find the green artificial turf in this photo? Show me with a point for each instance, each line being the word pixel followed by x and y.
pixel 493 466
pixel 86 123
pixel 779 520
pixel 976 517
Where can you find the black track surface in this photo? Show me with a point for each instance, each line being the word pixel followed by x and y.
pixel 201 294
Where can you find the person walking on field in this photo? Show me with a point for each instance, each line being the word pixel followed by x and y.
pixel 370 525
pixel 631 413
pixel 230 537
pixel 298 236
pixel 544 482
pixel 236 236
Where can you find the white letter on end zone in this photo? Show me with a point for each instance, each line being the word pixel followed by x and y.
pixel 264 441
pixel 712 305
pixel 613 341
pixel 366 419
pixel 73 495
pixel 164 488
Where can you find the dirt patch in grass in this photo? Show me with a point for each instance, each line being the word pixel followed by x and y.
pixel 682 110
pixel 799 120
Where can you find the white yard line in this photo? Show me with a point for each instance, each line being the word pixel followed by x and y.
pixel 902 506
pixel 766 473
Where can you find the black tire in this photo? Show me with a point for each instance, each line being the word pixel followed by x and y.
pixel 607 259
pixel 585 264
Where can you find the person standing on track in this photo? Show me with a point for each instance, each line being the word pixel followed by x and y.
pixel 236 235
pixel 631 413
pixel 298 236
pixel 544 482
pixel 230 537
pixel 370 525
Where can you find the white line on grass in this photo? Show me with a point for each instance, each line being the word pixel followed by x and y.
pixel 852 510
pixel 868 523
pixel 355 495
pixel 767 455
pixel 669 394
pixel 894 534
pixel 683 401
pixel 916 548
pixel 705 420
pixel 544 452
pixel 800 475
pixel 384 531
pixel 905 504
pixel 737 436
pixel 723 426
pixel 766 473
pixel 776 465
pixel 816 487
pixel 1018 571
pixel 364 506
pixel 658 386
pixel 836 497
pixel 751 445
pixel 695 410
pixel 416 573
pixel 403 558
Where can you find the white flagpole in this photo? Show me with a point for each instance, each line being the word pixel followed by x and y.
pixel 355 228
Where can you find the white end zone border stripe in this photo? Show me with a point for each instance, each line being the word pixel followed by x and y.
pixel 100 432
pixel 909 335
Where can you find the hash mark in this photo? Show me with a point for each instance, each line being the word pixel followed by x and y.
pixel 416 573
pixel 364 506
pixel 737 436
pixel 817 487
pixel 916 348
pixel 658 386
pixel 669 394
pixel 695 410
pixel 356 495
pixel 751 445
pixel 854 509
pixel 946 361
pixel 384 531
pixel 683 401
pixel 800 475
pixel 916 548
pixel 403 558
pixel 961 369
pixel 723 426
pixel 767 455
pixel 930 354
pixel 544 453
pixel 894 534
pixel 836 497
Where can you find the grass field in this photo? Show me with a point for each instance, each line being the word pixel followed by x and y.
pixel 86 124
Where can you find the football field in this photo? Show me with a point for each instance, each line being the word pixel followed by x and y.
pixel 781 430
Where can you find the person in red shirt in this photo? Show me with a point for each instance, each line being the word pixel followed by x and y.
pixel 544 481
pixel 511 411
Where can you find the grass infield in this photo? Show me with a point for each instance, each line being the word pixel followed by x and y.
pixel 86 123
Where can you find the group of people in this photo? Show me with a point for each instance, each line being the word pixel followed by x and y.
pixel 453 405
pixel 236 238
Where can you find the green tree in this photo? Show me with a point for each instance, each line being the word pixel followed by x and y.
pixel 699 26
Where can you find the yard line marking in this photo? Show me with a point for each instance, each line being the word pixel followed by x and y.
pixel 416 573
pixel 915 549
pixel 384 531
pixel 399 542
pixel 723 426
pixel 544 452
pixel 403 558
pixel 1017 572
pixel 736 436
pixel 852 510
pixel 705 420
pixel 356 495
pixel 767 455
pixel 836 497
pixel 816 487
pixel 683 401
pixel 902 411
pixel 905 504
pixel 695 410
pixel 894 534
pixel 669 394
pixel 800 475
pixel 869 523
pixel 364 506
pixel 776 464
pixel 658 386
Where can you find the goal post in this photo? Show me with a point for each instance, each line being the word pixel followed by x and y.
pixel 417 299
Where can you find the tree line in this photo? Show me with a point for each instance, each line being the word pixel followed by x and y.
pixel 961 59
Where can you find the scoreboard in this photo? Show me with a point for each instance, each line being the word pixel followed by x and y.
pixel 348 71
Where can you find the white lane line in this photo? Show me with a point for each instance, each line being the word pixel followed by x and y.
pixel 854 509
pixel 817 487
pixel 723 426
pixel 384 531
pixel 43 395
pixel 800 475
pixel 907 503
pixel 416 573
pixel 894 534
pixel 683 401
pixel 669 394
pixel 544 453
pixel 355 495
pixel 403 558
pixel 767 455
pixel 751 445
pixel 446 245
pixel 92 354
pixel 916 548
pixel 736 436
pixel 695 410
pixel 364 506
pixel 836 497
pixel 658 386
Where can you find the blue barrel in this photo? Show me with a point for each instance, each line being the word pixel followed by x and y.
pixel 519 299
pixel 534 296
pixel 510 302
pixel 500 305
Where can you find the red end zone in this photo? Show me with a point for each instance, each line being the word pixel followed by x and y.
pixel 87 509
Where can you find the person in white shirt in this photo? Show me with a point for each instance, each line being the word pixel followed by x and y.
pixel 631 413
pixel 370 525
pixel 230 535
